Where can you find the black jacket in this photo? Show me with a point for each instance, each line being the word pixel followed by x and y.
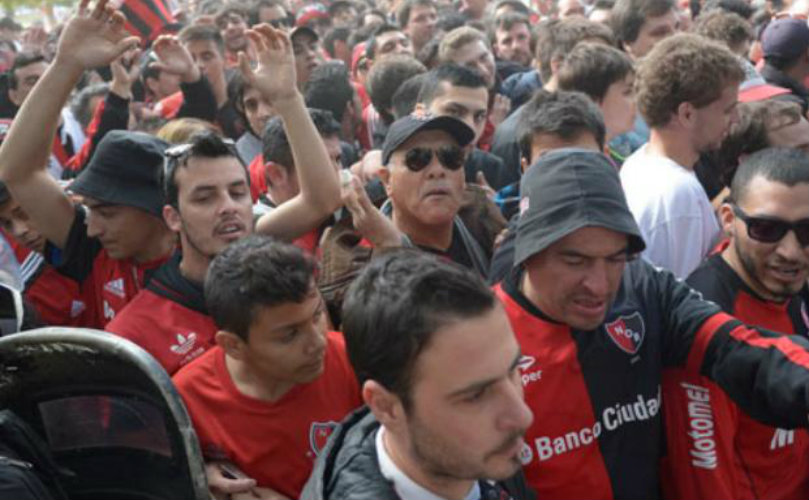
pixel 348 468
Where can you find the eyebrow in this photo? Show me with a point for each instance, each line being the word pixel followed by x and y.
pixel 574 253
pixel 477 386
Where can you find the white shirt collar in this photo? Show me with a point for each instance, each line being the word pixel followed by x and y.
pixel 405 487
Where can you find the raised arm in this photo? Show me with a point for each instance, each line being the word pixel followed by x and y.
pixel 92 38
pixel 319 184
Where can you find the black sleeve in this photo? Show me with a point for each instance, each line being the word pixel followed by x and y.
pixel 76 259
pixel 230 120
pixel 198 101
pixel 765 373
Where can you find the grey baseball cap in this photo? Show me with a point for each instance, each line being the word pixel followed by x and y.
pixel 566 190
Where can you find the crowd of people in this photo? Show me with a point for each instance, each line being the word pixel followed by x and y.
pixel 424 249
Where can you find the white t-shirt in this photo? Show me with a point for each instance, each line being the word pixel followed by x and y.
pixel 406 488
pixel 673 212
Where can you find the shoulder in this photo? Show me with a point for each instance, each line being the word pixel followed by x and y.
pixel 716 281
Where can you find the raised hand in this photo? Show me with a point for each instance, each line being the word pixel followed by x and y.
pixel 367 219
pixel 174 58
pixel 123 78
pixel 275 75
pixel 93 38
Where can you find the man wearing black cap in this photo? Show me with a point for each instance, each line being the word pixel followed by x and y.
pixel 597 327
pixel 308 53
pixel 785 43
pixel 125 235
pixel 424 180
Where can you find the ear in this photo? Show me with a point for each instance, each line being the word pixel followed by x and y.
pixel 232 344
pixel 524 164
pixel 685 114
pixel 172 217
pixel 555 63
pixel 386 406
pixel 384 176
pixel 727 218
pixel 276 175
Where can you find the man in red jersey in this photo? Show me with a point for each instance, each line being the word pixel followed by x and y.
pixel 715 450
pixel 269 395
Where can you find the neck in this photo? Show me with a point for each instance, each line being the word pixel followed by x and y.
pixel 443 486
pixel 249 383
pixel 161 244
pixel 437 236
pixel 674 145
pixel 798 72
pixel 194 266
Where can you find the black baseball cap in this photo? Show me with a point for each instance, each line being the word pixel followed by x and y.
pixel 785 38
pixel 125 170
pixel 406 127
pixel 566 190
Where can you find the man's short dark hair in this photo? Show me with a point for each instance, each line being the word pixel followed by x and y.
pixel 206 144
pixel 508 20
pixel 232 8
pixel 385 78
pixel 453 74
pixel 407 96
pixel 203 33
pixel 517 5
pixel 564 114
pixel 739 7
pixel 329 88
pixel 370 46
pixel 628 16
pixel 22 60
pixel 275 144
pixel 556 39
pixel 333 35
pixel 724 27
pixel 788 166
pixel 396 305
pixel 406 7
pixel 592 68
pixel 253 273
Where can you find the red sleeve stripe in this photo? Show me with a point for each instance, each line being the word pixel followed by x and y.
pixel 703 337
pixel 793 352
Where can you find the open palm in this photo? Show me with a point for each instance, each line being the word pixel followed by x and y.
pixel 275 75
pixel 93 38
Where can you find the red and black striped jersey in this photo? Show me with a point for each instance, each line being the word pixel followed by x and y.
pixel 714 450
pixel 596 395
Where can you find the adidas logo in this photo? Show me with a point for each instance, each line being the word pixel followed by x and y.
pixel 116 287
pixel 184 344
pixel 76 308
pixel 782 438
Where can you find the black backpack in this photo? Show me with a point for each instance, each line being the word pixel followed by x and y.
pixel 27 468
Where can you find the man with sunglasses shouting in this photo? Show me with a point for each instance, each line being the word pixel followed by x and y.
pixel 760 277
pixel 424 179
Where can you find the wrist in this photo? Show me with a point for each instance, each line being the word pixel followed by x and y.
pixel 121 90
pixel 288 102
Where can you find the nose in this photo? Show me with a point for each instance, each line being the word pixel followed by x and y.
pixel 516 415
pixel 789 248
pixel 317 339
pixel 595 280
pixel 94 226
pixel 435 168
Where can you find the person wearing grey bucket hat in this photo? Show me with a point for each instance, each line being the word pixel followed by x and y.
pixel 597 327
pixel 109 247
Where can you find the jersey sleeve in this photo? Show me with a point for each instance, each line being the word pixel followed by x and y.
pixel 700 427
pixel 765 373
pixel 76 259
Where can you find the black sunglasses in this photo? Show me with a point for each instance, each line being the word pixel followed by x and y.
pixel 451 157
pixel 772 230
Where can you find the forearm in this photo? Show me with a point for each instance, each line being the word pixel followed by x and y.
pixel 319 183
pixel 28 145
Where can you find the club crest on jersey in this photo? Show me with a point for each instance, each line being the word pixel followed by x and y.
pixel 627 332
pixel 319 433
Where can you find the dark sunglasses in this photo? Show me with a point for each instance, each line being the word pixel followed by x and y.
pixel 772 230
pixel 451 157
